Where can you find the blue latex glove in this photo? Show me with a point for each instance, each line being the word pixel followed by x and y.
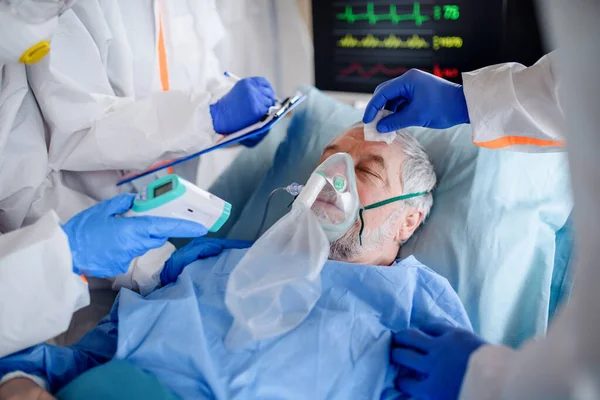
pixel 432 363
pixel 103 244
pixel 254 140
pixel 418 99
pixel 197 249
pixel 245 104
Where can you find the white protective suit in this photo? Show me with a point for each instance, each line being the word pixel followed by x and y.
pixel 529 103
pixel 38 289
pixel 104 109
pixel 516 108
pixel 126 84
pixel 32 259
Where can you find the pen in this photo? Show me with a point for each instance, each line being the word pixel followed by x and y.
pixel 237 79
pixel 232 76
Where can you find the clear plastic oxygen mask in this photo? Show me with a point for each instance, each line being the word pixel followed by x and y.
pixel 278 281
pixel 332 195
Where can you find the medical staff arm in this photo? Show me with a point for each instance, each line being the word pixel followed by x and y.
pixel 131 134
pixel 164 265
pixel 143 275
pixel 95 125
pixel 38 290
pixel 123 133
pixel 58 365
pixel 514 107
pixel 492 365
pixel 564 363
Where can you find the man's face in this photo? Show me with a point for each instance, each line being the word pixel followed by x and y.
pixel 378 169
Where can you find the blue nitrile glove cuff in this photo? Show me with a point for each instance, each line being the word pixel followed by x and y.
pixel 197 249
pixel 103 243
pixel 462 115
pixel 432 363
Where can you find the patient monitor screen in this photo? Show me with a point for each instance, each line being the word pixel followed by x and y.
pixel 360 44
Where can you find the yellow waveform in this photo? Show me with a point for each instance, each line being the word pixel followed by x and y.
pixel 415 42
pixel 390 42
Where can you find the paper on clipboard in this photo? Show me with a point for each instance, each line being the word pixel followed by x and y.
pixel 231 137
pixel 274 116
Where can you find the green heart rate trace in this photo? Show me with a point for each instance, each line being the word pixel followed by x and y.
pixel 446 12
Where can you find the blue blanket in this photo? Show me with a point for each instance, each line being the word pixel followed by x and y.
pixel 340 351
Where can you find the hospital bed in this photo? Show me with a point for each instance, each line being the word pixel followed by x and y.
pixel 499 231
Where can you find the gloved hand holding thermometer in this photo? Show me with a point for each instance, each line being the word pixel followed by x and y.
pixel 105 238
pixel 418 99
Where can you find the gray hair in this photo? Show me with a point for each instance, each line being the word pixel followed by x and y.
pixel 418 174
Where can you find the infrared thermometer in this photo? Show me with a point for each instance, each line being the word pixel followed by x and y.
pixel 174 197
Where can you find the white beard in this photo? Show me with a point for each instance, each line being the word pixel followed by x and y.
pixel 348 248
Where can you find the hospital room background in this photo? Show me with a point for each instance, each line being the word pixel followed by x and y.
pixel 278 39
pixel 500 228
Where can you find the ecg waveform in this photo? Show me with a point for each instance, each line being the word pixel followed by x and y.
pixel 415 42
pixel 357 68
pixel 449 73
pixel 450 12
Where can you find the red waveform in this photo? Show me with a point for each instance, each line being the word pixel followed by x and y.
pixel 380 68
pixel 373 71
pixel 445 72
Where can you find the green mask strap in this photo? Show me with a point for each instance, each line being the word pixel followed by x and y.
pixel 383 203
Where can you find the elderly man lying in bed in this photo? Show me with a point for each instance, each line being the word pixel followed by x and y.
pixel 341 350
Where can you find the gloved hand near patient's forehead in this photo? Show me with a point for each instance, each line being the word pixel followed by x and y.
pixel 418 99
pixel 245 104
pixel 103 243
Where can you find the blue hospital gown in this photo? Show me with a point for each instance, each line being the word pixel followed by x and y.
pixel 341 351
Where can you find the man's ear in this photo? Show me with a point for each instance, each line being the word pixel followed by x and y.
pixel 408 226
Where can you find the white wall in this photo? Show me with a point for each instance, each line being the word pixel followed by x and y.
pixel 356 99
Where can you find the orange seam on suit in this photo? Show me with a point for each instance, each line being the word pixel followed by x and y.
pixel 507 141
pixel 162 63
pixel 162 57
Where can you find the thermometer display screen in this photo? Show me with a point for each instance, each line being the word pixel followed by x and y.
pixel 162 189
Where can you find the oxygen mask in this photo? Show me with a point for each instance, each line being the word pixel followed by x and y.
pixel 332 195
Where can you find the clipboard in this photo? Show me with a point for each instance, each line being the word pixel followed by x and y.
pixel 268 121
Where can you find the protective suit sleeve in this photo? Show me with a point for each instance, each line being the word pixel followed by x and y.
pixel 94 128
pixel 37 258
pixel 492 364
pixel 128 134
pixel 564 364
pixel 515 107
pixel 59 365
pixel 144 272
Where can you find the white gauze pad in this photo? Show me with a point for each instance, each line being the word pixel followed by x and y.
pixel 371 133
